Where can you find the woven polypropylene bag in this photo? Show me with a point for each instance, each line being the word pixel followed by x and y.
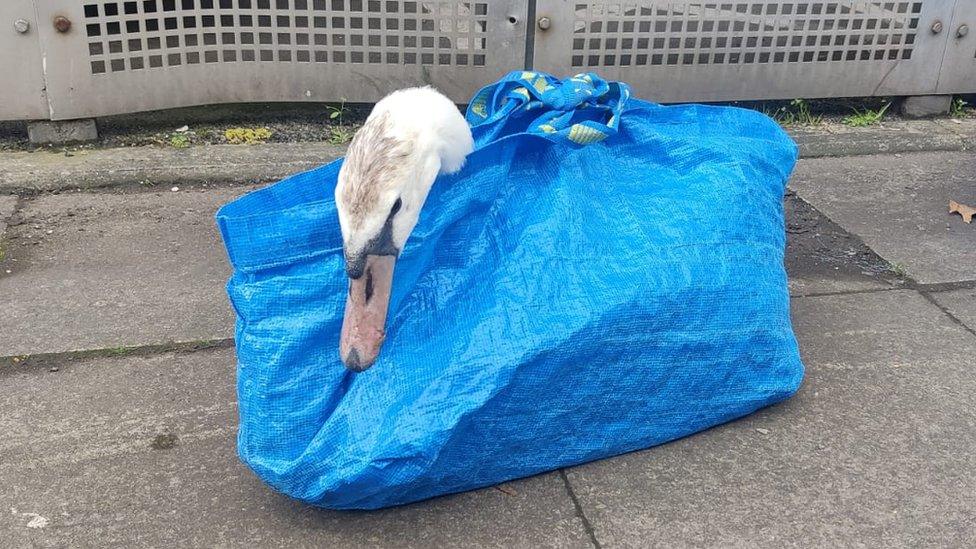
pixel 604 275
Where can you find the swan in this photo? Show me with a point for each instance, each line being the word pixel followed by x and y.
pixel 410 137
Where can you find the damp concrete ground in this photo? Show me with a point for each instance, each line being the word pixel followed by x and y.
pixel 118 409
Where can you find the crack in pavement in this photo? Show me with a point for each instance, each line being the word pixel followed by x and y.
pixel 11 364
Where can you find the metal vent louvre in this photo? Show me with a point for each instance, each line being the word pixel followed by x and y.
pixel 701 33
pixel 727 50
pixel 149 34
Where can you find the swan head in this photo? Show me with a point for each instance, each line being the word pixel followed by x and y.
pixel 374 184
pixel 390 166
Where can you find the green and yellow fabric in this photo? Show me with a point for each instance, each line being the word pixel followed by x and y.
pixel 580 110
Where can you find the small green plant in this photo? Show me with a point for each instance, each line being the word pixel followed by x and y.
pixel 247 136
pixel 959 108
pixel 179 140
pixel 339 132
pixel 866 117
pixel 899 270
pixel 797 113
pixel 340 135
pixel 337 114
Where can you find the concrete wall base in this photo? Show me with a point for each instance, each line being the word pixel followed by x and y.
pixel 59 132
pixel 922 106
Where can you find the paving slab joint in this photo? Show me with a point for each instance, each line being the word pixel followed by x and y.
pixel 850 292
pixel 931 299
pixel 946 286
pixel 49 359
pixel 9 206
pixel 587 526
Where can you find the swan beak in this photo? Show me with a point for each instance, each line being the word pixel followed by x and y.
pixel 364 324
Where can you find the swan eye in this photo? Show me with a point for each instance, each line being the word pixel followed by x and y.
pixel 396 207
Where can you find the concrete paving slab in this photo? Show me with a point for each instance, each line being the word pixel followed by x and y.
pixel 898 204
pixel 102 270
pixel 876 450
pixel 31 171
pixel 143 268
pixel 139 452
pixel 891 136
pixel 960 303
pixel 822 258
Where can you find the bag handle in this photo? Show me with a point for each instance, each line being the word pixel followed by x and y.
pixel 578 111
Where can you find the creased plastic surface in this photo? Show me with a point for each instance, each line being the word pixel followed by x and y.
pixel 564 298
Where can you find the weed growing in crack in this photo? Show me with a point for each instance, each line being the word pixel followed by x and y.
pixel 959 108
pixel 179 140
pixel 797 113
pixel 867 117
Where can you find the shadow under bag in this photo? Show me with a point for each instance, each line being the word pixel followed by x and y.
pixel 604 275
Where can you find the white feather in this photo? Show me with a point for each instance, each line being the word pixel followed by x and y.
pixel 437 139
pixel 433 120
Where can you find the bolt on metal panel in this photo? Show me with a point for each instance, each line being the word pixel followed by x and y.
pixel 22 96
pixel 719 51
pixel 959 67
pixel 115 56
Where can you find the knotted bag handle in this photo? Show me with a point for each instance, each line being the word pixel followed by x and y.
pixel 578 111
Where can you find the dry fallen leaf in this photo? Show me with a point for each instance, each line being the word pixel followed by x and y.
pixel 965 211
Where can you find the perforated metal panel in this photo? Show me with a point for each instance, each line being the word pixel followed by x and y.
pixel 131 55
pixel 958 73
pixel 693 51
pixel 156 33
pixel 22 93
pixel 124 56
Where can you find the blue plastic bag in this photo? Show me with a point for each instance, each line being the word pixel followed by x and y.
pixel 604 275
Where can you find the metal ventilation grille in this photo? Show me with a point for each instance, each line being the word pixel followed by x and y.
pixel 147 34
pixel 702 33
